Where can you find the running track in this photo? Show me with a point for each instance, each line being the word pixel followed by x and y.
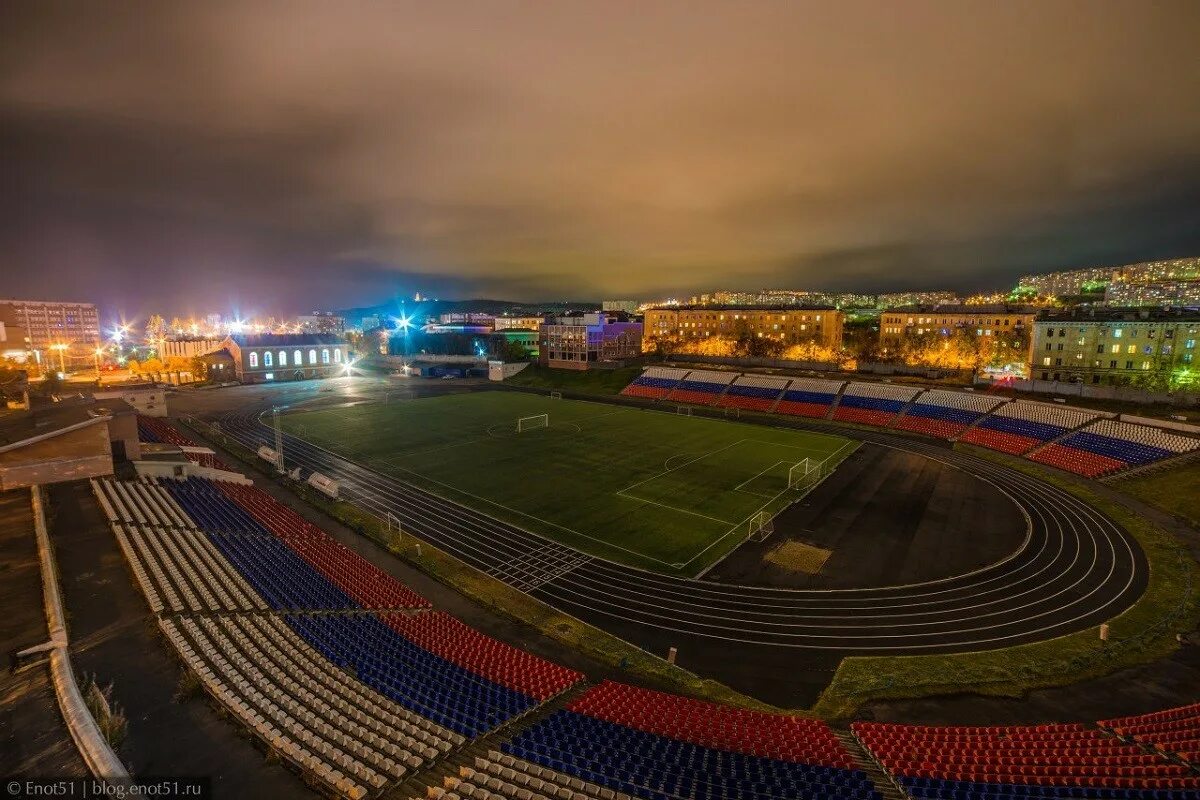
pixel 1075 570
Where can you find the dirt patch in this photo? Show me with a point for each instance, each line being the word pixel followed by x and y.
pixel 796 556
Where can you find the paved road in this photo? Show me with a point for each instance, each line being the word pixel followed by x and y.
pixel 1075 569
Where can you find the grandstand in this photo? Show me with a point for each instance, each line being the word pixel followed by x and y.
pixel 653 745
pixel 873 403
pixel 1107 446
pixel 1175 731
pixel 753 393
pixel 1020 426
pixel 153 429
pixel 655 382
pixel 945 414
pixel 701 387
pixel 1061 760
pixel 809 397
pixel 1077 440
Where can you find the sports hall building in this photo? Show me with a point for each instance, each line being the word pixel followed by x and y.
pixel 279 357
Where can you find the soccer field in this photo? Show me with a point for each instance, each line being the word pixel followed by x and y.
pixel 656 490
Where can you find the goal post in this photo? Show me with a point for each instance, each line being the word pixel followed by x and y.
pixel 684 410
pixel 556 395
pixel 535 421
pixel 802 474
pixel 762 525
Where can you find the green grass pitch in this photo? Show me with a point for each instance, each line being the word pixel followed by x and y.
pixel 656 490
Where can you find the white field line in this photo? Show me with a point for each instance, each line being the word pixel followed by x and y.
pixel 754 477
pixel 759 510
pixel 672 508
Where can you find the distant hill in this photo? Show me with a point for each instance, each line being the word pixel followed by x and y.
pixel 432 308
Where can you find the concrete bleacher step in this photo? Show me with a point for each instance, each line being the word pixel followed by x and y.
pixel 436 772
pixel 837 399
pixel 904 410
pixel 883 782
pixel 1056 439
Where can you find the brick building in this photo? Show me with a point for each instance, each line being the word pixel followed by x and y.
pixel 280 357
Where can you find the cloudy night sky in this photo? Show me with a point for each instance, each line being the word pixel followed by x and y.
pixel 277 157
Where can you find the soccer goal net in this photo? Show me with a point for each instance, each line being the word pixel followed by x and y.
pixel 804 474
pixel 762 525
pixel 556 395
pixel 684 410
pixel 536 421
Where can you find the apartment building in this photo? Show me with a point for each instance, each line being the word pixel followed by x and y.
pixel 51 326
pixel 1114 346
pixel 786 324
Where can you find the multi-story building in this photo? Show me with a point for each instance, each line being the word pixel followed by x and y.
pixel 256 358
pixel 898 299
pixel 321 322
pixel 1114 346
pixel 528 323
pixel 785 324
pixel 578 342
pixel 898 324
pixel 628 306
pixel 1066 283
pixel 1162 294
pixel 53 327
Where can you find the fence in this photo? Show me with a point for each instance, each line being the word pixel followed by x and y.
pixel 1122 394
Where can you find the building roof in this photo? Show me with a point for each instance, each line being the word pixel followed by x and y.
pixel 743 308
pixel 21 426
pixel 285 339
pixel 959 308
pixel 1110 314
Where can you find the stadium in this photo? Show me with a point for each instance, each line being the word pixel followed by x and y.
pixel 731 585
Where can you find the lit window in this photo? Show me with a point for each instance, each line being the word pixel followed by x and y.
pixel 312 356
pixel 268 360
pixel 337 356
pixel 270 375
pixel 297 357
pixel 325 355
pixel 1117 333
pixel 253 360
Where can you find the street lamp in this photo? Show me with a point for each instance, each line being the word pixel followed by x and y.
pixel 62 362
pixel 99 352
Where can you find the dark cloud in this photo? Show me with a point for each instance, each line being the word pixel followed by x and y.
pixel 280 156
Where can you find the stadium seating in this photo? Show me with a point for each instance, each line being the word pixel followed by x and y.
pixel 370 586
pixel 945 414
pixel 658 746
pixel 1021 761
pixel 873 403
pixel 701 387
pixel 448 638
pixel 426 684
pixel 809 397
pixel 1020 426
pixel 1174 730
pixel 654 382
pixel 152 429
pixel 1106 446
pixel 350 738
pixel 753 392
